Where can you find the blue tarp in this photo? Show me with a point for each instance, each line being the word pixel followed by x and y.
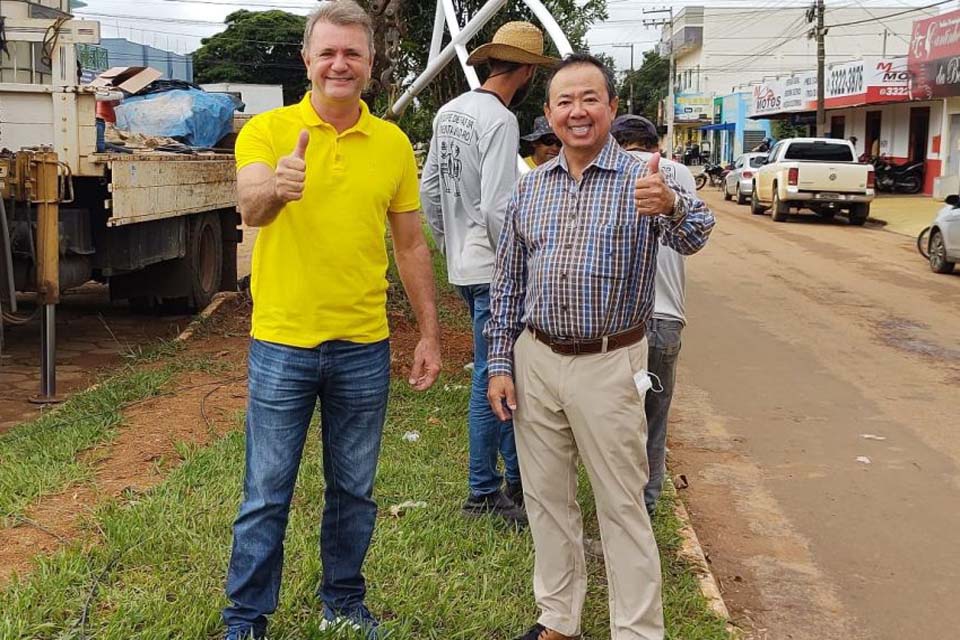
pixel 194 117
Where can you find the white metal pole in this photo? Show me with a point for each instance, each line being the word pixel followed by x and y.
pixel 437 38
pixel 671 108
pixel 436 65
pixel 454 26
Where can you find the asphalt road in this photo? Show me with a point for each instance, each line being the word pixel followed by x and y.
pixel 817 420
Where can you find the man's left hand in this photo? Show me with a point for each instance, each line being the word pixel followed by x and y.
pixel 426 364
pixel 653 196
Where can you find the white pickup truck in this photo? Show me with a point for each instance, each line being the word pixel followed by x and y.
pixel 819 174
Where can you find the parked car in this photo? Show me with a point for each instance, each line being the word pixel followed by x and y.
pixel 820 174
pixel 943 243
pixel 739 182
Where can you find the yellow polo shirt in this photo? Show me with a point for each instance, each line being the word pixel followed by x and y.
pixel 319 269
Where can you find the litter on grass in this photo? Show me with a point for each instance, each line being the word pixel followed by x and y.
pixel 398 510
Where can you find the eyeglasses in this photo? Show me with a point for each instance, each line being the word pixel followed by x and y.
pixel 549 141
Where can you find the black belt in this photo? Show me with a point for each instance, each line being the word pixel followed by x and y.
pixel 596 345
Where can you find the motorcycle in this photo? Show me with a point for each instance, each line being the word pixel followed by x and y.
pixel 898 178
pixel 714 173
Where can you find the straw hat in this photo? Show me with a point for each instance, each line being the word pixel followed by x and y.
pixel 519 42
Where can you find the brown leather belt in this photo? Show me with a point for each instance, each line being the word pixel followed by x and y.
pixel 598 345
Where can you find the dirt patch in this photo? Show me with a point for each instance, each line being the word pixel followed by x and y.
pixel 197 408
pixel 93 335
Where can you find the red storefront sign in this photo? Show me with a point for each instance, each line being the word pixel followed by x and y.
pixel 934 59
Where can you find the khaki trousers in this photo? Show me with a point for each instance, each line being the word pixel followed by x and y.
pixel 587 405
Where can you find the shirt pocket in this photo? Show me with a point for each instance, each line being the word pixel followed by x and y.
pixel 615 251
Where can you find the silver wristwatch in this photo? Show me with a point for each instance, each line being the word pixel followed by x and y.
pixel 679 209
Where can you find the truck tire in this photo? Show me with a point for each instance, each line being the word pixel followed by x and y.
pixel 756 208
pixel 778 211
pixel 204 258
pixel 858 214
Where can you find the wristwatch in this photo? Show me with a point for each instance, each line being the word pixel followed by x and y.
pixel 679 209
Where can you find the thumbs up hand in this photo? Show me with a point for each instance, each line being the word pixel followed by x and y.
pixel 291 173
pixel 653 196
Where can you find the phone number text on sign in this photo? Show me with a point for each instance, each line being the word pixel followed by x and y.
pixel 846 81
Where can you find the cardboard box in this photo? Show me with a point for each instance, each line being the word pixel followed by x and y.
pixel 129 79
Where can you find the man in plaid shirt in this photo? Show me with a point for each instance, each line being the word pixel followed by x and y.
pixel 572 291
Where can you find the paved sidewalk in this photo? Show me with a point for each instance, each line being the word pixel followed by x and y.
pixel 906 215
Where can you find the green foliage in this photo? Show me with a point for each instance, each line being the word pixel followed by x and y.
pixel 782 129
pixel 264 47
pixel 573 16
pixel 261 47
pixel 650 85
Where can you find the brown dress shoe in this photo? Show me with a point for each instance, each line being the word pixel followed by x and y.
pixel 540 632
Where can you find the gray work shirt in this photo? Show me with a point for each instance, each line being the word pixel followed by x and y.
pixel 467 181
pixel 670 282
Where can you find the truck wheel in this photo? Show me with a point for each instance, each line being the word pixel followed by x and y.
pixel 858 214
pixel 938 254
pixel 778 210
pixel 756 208
pixel 204 258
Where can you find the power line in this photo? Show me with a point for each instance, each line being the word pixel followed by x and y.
pixel 889 15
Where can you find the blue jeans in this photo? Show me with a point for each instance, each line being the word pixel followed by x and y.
pixel 351 381
pixel 664 339
pixel 488 435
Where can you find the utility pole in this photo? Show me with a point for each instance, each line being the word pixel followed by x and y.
pixel 670 108
pixel 816 13
pixel 630 100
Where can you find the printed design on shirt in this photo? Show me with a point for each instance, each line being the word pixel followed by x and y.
pixel 451 167
pixel 455 131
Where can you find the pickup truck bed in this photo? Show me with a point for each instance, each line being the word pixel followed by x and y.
pixel 817 174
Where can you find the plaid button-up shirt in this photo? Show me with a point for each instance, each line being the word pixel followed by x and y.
pixel 575 260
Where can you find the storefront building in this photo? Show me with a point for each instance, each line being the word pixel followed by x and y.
pixel 732 131
pixel 934 65
pixel 868 100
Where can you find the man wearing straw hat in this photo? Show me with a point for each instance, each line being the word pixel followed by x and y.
pixel 468 179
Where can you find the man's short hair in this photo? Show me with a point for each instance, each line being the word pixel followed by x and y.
pixel 573 59
pixel 343 13
pixel 632 129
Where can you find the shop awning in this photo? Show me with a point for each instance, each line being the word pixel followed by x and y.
pixel 724 126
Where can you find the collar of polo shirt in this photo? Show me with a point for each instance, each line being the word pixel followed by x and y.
pixel 311 119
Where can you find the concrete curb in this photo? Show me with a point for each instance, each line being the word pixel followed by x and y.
pixel 691 551
pixel 209 310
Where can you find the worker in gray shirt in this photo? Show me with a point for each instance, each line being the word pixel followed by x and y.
pixel 639 136
pixel 467 181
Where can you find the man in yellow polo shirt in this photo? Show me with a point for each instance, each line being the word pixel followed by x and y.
pixel 322 179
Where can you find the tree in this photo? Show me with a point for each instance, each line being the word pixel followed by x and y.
pixel 265 47
pixel 573 16
pixel 650 85
pixel 258 47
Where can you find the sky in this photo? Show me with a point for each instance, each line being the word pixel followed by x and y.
pixel 178 25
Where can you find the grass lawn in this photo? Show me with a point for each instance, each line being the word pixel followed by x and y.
pixel 151 565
